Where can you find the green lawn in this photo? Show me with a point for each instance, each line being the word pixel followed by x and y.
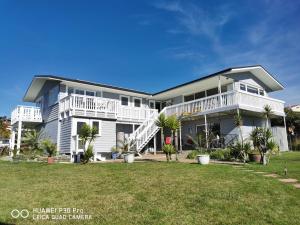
pixel 277 164
pixel 148 193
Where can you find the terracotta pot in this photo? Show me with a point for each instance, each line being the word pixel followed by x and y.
pixel 254 157
pixel 50 160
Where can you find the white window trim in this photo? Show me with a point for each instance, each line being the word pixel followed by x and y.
pixel 136 98
pixel 88 122
pixel 100 126
pixel 75 89
pixel 253 86
pixel 124 96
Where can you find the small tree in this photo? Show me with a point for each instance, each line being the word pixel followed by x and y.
pixel 161 123
pixel 49 147
pixel 168 149
pixel 267 112
pixel 87 135
pixel 262 140
pixel 173 124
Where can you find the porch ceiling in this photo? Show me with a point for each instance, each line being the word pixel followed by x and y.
pixel 201 85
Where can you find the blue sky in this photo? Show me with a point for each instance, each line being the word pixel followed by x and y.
pixel 145 45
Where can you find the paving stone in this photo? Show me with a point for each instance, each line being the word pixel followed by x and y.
pixel 259 172
pixel 271 175
pixel 288 180
pixel 296 185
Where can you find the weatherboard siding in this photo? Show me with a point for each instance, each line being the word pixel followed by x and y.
pixel 65 135
pixel 107 140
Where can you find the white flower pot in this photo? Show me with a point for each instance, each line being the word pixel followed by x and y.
pixel 129 158
pixel 203 159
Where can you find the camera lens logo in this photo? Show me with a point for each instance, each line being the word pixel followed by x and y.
pixel 24 213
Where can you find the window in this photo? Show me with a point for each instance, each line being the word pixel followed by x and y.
pixel 98 94
pixel 200 95
pixel 124 100
pixel 53 95
pixel 252 90
pixel 261 92
pixel 90 93
pixel 79 126
pixel 188 98
pixel 96 125
pixel 152 104
pixel 212 91
pixel 79 92
pixel 70 90
pixel 243 87
pixel 137 102
pixel 223 88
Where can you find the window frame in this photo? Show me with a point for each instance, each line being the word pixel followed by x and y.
pixel 137 98
pixel 99 125
pixel 153 102
pixel 125 96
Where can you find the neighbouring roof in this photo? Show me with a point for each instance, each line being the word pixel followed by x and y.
pixel 257 70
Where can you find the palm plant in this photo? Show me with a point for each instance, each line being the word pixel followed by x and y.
pixel 197 141
pixel 173 124
pixel 48 146
pixel 32 141
pixel 126 145
pixel 238 122
pixel 267 112
pixel 161 123
pixel 262 140
pixel 168 150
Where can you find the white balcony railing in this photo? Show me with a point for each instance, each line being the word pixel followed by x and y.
pixel 26 114
pixel 216 103
pixel 227 100
pixel 90 106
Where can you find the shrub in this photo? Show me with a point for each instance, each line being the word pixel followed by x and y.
pixel 49 147
pixel 192 154
pixel 221 154
pixel 168 150
pixel 88 154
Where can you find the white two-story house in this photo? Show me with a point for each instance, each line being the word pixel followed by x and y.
pixel 207 105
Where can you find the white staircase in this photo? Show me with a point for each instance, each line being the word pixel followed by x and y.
pixel 146 131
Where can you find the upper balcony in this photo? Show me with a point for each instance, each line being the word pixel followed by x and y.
pixel 90 106
pixel 26 114
pixel 227 101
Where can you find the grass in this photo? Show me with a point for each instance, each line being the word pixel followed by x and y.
pixel 290 160
pixel 148 193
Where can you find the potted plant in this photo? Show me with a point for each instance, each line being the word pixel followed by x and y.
pixel 50 148
pixel 203 158
pixel 254 156
pixel 127 148
pixel 114 153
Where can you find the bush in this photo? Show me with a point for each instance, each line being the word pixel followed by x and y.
pixel 168 149
pixel 49 147
pixel 221 154
pixel 193 154
pixel 88 154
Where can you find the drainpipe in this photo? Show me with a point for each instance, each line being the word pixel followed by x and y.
pixel 206 131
